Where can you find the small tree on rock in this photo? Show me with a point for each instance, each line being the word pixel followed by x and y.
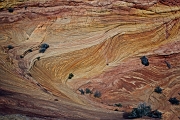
pixel 155 114
pixel 158 90
pixel 142 110
pixel 70 76
pixel 82 91
pixel 10 47
pixel 42 50
pixel 88 91
pixel 11 10
pixel 144 61
pixel 174 101
pixel 97 94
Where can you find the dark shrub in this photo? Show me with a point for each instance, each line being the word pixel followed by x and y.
pixel 10 9
pixel 174 101
pixel 126 115
pixel 88 91
pixel 134 114
pixel 155 114
pixel 82 91
pixel 42 50
pixel 70 76
pixel 44 45
pixel 97 94
pixel 158 90
pixel 10 47
pixel 141 111
pixel 118 105
pixel 144 61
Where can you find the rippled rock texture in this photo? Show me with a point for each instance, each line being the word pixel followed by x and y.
pixel 100 42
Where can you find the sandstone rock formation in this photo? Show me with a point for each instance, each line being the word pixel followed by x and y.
pixel 100 42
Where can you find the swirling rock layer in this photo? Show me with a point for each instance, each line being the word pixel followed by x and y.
pixel 100 42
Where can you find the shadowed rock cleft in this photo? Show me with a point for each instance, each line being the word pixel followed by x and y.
pixel 116 110
pixel 29 74
pixel 21 56
pixel 29 50
pixel 168 64
pixel 38 58
pixel 118 104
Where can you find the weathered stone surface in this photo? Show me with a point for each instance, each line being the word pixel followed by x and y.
pixel 100 42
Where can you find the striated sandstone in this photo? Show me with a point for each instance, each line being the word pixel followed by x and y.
pixel 101 43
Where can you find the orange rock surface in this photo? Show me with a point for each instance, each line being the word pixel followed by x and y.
pixel 101 43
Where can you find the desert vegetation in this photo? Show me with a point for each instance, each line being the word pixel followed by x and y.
pixel 144 61
pixel 174 101
pixel 142 110
pixel 158 90
pixel 97 94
